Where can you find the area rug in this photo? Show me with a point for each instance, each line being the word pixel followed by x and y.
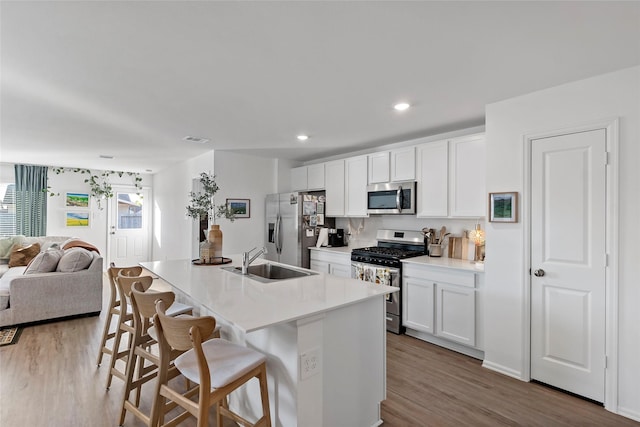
pixel 9 336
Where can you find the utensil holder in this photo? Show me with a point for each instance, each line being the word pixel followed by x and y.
pixel 435 250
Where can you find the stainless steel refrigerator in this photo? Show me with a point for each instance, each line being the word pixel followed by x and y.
pixel 293 221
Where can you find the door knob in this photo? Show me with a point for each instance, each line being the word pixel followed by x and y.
pixel 539 272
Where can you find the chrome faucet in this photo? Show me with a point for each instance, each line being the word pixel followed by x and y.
pixel 247 260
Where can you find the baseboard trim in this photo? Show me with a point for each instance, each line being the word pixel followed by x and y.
pixel 502 370
pixel 629 413
pixel 450 345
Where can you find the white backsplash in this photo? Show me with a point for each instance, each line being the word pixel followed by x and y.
pixel 361 232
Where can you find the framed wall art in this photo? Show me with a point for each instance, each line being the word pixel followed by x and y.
pixel 240 207
pixel 76 200
pixel 503 207
pixel 77 219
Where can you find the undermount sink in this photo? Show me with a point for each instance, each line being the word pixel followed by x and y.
pixel 270 272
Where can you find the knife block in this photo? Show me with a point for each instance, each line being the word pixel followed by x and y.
pixel 458 247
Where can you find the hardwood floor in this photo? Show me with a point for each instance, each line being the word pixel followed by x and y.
pixel 431 386
pixel 49 379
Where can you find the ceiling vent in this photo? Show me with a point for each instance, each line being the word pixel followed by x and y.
pixel 195 139
pixel 104 156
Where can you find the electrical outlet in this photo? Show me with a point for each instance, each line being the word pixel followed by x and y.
pixel 310 363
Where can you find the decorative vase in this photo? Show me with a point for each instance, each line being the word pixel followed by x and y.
pixel 215 238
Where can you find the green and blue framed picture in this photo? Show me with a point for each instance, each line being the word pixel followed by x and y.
pixel 77 200
pixel 241 208
pixel 503 207
pixel 77 219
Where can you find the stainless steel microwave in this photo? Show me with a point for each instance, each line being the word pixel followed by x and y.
pixel 392 198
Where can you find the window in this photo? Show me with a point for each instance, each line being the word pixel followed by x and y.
pixel 7 209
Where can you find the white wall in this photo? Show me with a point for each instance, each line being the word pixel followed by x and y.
pixel 611 95
pixel 172 228
pixel 96 233
pixel 241 176
pixel 238 176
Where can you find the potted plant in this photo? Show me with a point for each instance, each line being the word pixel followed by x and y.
pixel 202 207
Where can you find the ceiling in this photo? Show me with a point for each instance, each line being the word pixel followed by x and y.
pixel 132 79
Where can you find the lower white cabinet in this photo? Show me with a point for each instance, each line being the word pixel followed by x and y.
pixel 456 311
pixel 441 303
pixel 335 263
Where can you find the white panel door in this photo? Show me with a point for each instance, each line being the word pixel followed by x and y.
pixel 129 226
pixel 568 204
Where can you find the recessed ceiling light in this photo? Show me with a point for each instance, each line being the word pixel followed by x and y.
pixel 104 156
pixel 195 139
pixel 401 106
pixel 302 137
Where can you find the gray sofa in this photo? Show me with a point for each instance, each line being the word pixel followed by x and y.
pixel 44 296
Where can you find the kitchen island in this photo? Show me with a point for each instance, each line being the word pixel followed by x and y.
pixel 324 338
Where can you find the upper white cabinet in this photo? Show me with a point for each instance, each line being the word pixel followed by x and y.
pixel 378 167
pixel 451 178
pixel 467 170
pixel 335 188
pixel 355 169
pixel 403 164
pixel 395 165
pixel 433 179
pixel 299 178
pixel 315 177
pixel 308 178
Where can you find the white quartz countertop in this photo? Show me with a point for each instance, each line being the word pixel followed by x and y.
pixel 251 305
pixel 338 250
pixel 458 264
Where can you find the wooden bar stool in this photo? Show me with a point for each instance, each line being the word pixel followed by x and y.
pixel 217 366
pixel 125 321
pixel 143 303
pixel 114 306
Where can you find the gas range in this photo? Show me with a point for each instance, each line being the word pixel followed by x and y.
pixel 393 246
pixel 383 264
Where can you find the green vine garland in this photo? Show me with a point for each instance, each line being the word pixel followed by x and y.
pixel 99 183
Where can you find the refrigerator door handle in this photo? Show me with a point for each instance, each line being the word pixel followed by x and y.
pixel 278 238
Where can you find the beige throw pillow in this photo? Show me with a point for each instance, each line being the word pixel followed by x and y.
pixel 45 262
pixel 74 259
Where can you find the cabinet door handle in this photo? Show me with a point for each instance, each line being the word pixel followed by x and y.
pixel 539 272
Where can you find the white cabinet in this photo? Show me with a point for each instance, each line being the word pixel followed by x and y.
pixel 456 311
pixel 433 179
pixel 340 270
pixel 315 177
pixel 451 178
pixel 467 170
pixel 299 178
pixel 440 302
pixel 355 170
pixel 334 188
pixel 418 308
pixel 403 164
pixel 309 177
pixel 378 167
pixel 395 165
pixel 335 263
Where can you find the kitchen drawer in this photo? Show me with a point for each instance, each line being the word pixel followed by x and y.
pixel 440 275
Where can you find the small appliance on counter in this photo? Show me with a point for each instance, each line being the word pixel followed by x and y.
pixel 336 237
